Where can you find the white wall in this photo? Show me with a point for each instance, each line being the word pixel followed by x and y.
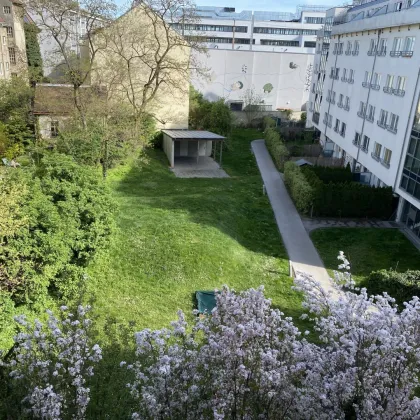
pixel 168 148
pixel 231 72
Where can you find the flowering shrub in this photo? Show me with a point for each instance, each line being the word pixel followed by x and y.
pixel 52 363
pixel 244 360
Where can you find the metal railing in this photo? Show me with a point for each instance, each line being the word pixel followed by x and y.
pixel 351 81
pixel 371 52
pixel 340 105
pixel 395 53
pixel 388 89
pixel 407 53
pixel 374 86
pixel 392 129
pixel 343 133
pixel 344 79
pixel 348 52
pixel 346 108
pixel 355 52
pixel 381 53
pixel 336 129
pixel 376 157
pixel 356 143
pixel 365 84
pixel 364 148
pixel 370 118
pixel 361 114
pixel 385 163
pixel 398 92
pixel 381 124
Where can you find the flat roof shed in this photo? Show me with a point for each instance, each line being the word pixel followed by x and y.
pixel 191 143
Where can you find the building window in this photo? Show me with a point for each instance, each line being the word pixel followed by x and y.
pixel 54 128
pixel 7 10
pixel 400 87
pixel 373 47
pixel 309 44
pixel 348 49
pixel 371 113
pixel 396 47
pixel 377 151
pixel 368 78
pixel 351 76
pixel 347 104
pixel 356 140
pixel 376 81
pixel 284 31
pixel 343 130
pixel 362 110
pixel 340 48
pixel 383 117
pixel 12 55
pixel 386 159
pixel 194 27
pixel 365 144
pixel 315 20
pixel 393 123
pixel 356 47
pixel 340 100
pixel 382 47
pixel 279 42
pixel 329 120
pixel 337 125
pixel 408 46
pixel 9 31
pixel 410 180
pixel 344 76
pixel 388 84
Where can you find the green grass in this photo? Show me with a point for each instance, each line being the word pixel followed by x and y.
pixel 176 236
pixel 367 249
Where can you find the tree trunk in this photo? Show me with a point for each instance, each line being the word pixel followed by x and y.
pixel 78 105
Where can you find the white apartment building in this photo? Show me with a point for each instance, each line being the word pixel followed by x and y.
pixel 224 28
pixel 364 96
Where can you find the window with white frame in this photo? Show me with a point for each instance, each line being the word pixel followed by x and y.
pixel 396 46
pixel 347 103
pixel 376 80
pixel 340 48
pixel 9 31
pixel 340 100
pixel 356 140
pixel 7 10
pixel 371 113
pixel 348 50
pixel 389 81
pixel 343 77
pixel 383 117
pixel 326 117
pixel 368 78
pixel 337 125
pixel 393 122
pixel 362 109
pixel 329 120
pixel 377 149
pixel 329 95
pixel 365 143
pixel 409 43
pixel 12 55
pixel 351 76
pixel 387 156
pixel 382 46
pixel 373 46
pixel 335 48
pixel 401 83
pixel 333 97
pixel 343 129
pixel 356 47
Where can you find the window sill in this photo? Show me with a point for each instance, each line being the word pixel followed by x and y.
pixel 377 158
pixel 386 164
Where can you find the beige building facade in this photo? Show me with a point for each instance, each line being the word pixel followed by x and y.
pixel 126 64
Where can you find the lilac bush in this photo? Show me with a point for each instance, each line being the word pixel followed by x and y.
pixel 247 360
pixel 53 362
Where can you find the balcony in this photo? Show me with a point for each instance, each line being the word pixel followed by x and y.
pixel 395 53
pixel 385 163
pixel 336 129
pixel 376 157
pixel 388 89
pixel 355 52
pixel 348 52
pixel 374 86
pixel 351 81
pixel 356 143
pixel 346 107
pixel 398 92
pixel 366 84
pixel 340 105
pixel 370 118
pixel 381 53
pixel 342 133
pixel 361 114
pixel 371 52
pixel 381 124
pixel 392 129
pixel 406 54
pixel 325 121
pixel 344 79
pixel 364 148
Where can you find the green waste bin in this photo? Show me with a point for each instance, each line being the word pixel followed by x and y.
pixel 206 301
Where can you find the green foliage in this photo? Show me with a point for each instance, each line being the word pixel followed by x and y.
pixel 301 191
pixel 64 214
pixel 287 113
pixel 276 147
pixel 401 286
pixel 15 96
pixel 268 122
pixel 303 117
pixel 206 115
pixel 335 195
pixel 33 53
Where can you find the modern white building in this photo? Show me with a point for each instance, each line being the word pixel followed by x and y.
pixel 224 28
pixel 364 96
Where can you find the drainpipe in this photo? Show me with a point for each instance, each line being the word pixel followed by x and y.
pixel 367 102
pixel 252 31
pixel 233 38
pixel 407 128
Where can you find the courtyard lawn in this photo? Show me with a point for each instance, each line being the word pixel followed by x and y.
pixel 176 236
pixel 367 249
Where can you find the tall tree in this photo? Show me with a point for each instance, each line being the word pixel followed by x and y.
pixel 70 26
pixel 33 53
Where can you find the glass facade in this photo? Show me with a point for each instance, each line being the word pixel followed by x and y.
pixel 411 218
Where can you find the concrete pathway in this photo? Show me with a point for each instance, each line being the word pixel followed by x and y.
pixel 302 253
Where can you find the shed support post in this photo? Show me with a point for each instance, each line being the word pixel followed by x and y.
pixel 198 150
pixel 221 150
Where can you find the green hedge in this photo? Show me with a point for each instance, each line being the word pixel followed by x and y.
pixel 401 286
pixel 335 199
pixel 327 174
pixel 276 147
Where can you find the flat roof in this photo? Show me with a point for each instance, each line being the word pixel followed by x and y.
pixel 192 135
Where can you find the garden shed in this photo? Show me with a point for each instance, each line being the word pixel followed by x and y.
pixel 193 146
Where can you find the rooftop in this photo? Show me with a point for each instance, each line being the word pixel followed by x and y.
pixel 192 135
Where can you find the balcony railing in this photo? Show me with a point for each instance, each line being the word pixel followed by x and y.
pixel 365 84
pixel 344 79
pixel 364 148
pixel 374 86
pixel 356 143
pixel 371 52
pixel 336 129
pixel 370 118
pixel 381 53
pixel 325 121
pixel 340 105
pixel 392 129
pixel 395 53
pixel 385 163
pixel 406 53
pixel 348 52
pixel 388 89
pixel 346 108
pixel 361 114
pixel 398 92
pixel 351 81
pixel 381 124
pixel 355 52
pixel 376 157
pixel 342 133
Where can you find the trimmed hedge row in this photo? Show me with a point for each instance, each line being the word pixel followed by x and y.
pixel 401 286
pixel 327 174
pixel 335 199
pixel 276 147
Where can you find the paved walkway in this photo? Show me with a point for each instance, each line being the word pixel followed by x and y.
pixel 302 253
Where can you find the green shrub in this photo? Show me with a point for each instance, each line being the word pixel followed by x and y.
pixel 56 220
pixel 300 189
pixel 276 147
pixel 268 122
pixel 401 286
pixel 327 174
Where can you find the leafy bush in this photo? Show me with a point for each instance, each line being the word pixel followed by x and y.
pixel 276 147
pixel 56 221
pixel 401 286
pixel 268 122
pixel 303 117
pixel 342 198
pixel 300 189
